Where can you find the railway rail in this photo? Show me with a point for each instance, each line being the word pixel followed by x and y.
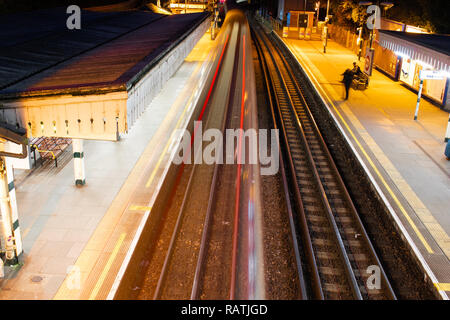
pixel 205 241
pixel 334 254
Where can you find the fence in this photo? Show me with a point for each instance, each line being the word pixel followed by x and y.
pixel 269 22
pixel 347 39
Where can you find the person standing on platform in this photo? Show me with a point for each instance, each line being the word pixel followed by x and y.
pixel 348 78
pixel 447 150
pixel 356 69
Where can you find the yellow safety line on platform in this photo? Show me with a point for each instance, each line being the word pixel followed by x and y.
pixel 105 271
pixel 140 208
pixel 442 286
pixel 405 213
pixel 397 201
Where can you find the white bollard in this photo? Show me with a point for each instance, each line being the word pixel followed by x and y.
pixel 78 162
pixel 447 134
pixel 13 204
pixel 2 271
pixel 418 99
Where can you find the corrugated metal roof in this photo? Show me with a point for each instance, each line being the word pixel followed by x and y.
pixel 436 42
pixel 431 49
pixel 41 56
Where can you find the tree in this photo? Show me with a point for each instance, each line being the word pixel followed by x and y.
pixel 350 14
pixel 433 15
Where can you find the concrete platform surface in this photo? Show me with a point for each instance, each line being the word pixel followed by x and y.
pixel 405 157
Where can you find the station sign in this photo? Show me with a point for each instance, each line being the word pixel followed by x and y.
pixel 368 65
pixel 324 35
pixel 431 75
pixel 188 6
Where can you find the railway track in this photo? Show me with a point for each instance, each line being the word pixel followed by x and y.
pixel 196 216
pixel 335 257
pixel 205 240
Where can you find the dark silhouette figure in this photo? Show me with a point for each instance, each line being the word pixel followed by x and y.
pixel 356 69
pixel 348 78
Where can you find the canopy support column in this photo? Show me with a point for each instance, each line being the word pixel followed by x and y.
pixel 78 162
pixel 12 239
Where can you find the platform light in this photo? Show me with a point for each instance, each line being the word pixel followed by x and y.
pixel 387 4
pixel 424 64
pixel 401 54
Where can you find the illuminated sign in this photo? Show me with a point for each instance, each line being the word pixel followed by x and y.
pixel 431 75
pixel 188 6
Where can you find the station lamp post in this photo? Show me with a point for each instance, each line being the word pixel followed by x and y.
pixel 325 28
pixel 376 15
pixel 317 8
pixel 386 5
pixel 369 3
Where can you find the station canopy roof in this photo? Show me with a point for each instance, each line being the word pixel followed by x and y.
pixel 431 49
pixel 91 83
pixel 39 55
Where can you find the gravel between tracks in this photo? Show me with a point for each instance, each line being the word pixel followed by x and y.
pixel 280 273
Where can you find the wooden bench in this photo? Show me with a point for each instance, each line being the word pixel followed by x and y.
pixel 49 148
pixel 360 81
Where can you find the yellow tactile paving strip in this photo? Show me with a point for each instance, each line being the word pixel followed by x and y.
pixel 443 286
pixel 420 209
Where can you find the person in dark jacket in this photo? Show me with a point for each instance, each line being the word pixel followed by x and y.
pixel 356 69
pixel 447 150
pixel 348 78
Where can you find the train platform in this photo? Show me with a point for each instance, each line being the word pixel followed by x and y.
pixel 77 238
pixel 404 157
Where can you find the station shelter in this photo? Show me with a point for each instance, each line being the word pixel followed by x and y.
pixel 298 18
pixel 402 51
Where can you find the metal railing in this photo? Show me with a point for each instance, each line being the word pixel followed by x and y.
pixel 35 148
pixel 270 22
